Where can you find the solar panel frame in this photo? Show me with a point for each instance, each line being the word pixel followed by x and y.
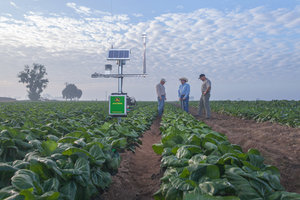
pixel 118 54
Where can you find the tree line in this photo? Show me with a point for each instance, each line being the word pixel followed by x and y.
pixel 35 80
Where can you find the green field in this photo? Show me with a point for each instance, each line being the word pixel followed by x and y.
pixel 64 150
pixel 201 164
pixel 70 150
pixel 283 112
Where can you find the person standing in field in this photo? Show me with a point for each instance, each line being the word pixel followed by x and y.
pixel 161 96
pixel 204 100
pixel 183 94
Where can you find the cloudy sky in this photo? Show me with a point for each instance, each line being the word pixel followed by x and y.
pixel 249 49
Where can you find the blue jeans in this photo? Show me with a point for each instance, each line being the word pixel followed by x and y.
pixel 161 105
pixel 185 104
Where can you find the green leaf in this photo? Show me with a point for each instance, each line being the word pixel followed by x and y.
pixel 67 139
pixel 283 196
pixel 25 179
pixel 51 195
pixel 20 164
pixel 183 152
pixel 76 151
pixel 181 184
pixel 6 172
pixel 120 143
pixel 173 161
pixel 210 146
pixel 243 188
pixel 82 165
pixel 213 172
pixel 51 184
pixel 101 179
pixel 7 192
pixel 197 159
pixel 173 194
pixel 158 148
pixel 69 190
pixel 216 186
pixel 97 154
pixel 28 194
pixel 185 173
pixel 113 162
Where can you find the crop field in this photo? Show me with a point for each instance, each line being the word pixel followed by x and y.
pixel 76 151
pixel 63 150
pixel 202 164
pixel 283 112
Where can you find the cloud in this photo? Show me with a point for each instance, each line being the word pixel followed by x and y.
pixel 79 9
pixel 13 4
pixel 238 46
pixel 137 14
pixel 180 7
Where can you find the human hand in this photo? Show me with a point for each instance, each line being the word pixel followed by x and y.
pixel 160 98
pixel 183 98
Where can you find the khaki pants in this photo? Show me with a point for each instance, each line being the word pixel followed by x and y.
pixel 204 105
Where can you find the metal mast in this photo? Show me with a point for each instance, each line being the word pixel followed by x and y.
pixel 144 36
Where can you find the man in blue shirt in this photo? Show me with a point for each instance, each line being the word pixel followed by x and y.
pixel 183 94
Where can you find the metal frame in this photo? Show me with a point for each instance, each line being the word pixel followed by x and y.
pixel 121 62
pixel 97 75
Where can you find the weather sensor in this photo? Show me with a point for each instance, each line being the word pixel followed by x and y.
pixel 117 101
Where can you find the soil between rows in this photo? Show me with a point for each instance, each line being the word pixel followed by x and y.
pixel 139 175
pixel 279 144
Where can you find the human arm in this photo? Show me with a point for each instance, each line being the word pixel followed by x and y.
pixel 208 83
pixel 158 92
pixel 207 90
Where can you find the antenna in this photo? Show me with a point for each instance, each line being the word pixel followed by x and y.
pixel 144 36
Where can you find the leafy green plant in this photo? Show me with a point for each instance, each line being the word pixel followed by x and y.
pixel 60 150
pixel 281 111
pixel 200 163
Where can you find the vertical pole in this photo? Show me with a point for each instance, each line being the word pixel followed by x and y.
pixel 120 79
pixel 120 82
pixel 144 56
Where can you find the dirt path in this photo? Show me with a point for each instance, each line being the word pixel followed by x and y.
pixel 139 174
pixel 279 144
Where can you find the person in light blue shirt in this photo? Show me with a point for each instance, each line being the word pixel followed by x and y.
pixel 183 94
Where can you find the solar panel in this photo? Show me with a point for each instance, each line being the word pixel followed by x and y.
pixel 118 54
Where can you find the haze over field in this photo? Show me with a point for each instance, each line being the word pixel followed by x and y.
pixel 249 49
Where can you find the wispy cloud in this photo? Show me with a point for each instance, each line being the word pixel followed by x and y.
pixel 79 9
pixel 137 14
pixel 180 7
pixel 13 4
pixel 227 45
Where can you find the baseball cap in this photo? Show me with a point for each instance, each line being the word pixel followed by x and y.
pixel 201 75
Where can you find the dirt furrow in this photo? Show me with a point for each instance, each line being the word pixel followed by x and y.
pixel 279 144
pixel 139 174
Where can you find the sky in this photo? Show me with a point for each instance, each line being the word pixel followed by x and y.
pixel 249 49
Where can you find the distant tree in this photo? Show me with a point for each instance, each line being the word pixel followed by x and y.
pixel 34 80
pixel 71 92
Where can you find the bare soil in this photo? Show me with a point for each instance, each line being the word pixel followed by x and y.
pixel 139 175
pixel 279 144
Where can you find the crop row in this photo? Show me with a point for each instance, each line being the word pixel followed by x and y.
pixel 69 152
pixel 200 164
pixel 284 112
